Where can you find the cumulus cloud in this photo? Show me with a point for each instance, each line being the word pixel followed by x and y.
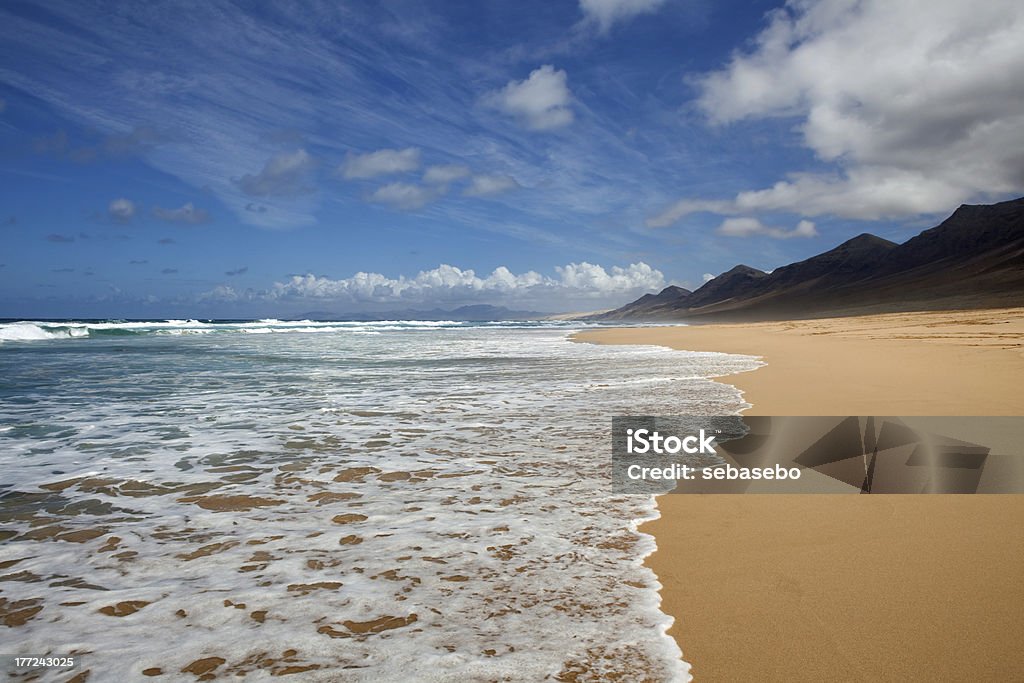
pixel 381 162
pixel 605 13
pixel 444 174
pixel 405 196
pixel 707 277
pixel 917 107
pixel 285 175
pixel 541 102
pixel 449 284
pixel 121 210
pixel 220 293
pixel 489 185
pixel 748 227
pixel 187 213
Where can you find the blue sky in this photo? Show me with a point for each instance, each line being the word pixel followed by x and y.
pixel 216 159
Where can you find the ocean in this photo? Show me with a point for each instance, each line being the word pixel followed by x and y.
pixel 365 501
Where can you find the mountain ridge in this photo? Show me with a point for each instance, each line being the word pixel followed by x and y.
pixel 972 259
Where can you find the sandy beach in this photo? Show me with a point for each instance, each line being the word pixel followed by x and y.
pixel 815 587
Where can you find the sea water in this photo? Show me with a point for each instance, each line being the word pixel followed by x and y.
pixel 397 500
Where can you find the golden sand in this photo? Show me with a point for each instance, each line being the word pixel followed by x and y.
pixel 873 588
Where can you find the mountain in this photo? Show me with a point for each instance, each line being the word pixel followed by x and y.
pixel 973 259
pixel 650 306
pixel 806 285
pixel 733 284
pixel 481 312
pixel 471 313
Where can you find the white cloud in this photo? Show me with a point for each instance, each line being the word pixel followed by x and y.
pixel 707 277
pixel 406 196
pixel 381 162
pixel 285 175
pixel 684 207
pixel 589 277
pixel 220 293
pixel 489 185
pixel 449 284
pixel 919 107
pixel 187 213
pixel 541 102
pixel 605 13
pixel 121 209
pixel 444 174
pixel 748 227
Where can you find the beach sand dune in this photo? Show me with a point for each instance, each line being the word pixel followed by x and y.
pixel 873 588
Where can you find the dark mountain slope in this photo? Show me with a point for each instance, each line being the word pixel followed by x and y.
pixel 651 306
pixel 973 259
pixel 737 283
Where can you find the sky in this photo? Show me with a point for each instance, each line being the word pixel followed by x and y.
pixel 245 160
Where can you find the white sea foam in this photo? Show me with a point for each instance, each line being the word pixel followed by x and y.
pixel 27 331
pixel 47 330
pixel 455 474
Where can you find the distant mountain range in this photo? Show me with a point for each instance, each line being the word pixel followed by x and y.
pixel 473 313
pixel 973 259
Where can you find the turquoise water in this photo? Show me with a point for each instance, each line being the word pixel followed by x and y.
pixel 348 501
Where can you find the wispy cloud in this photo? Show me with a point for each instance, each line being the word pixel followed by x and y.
pixel 186 213
pixel 237 271
pixel 406 196
pixel 490 185
pixel 443 174
pixel 284 175
pixel 381 162
pixel 749 227
pixel 139 140
pixel 605 13
pixel 220 98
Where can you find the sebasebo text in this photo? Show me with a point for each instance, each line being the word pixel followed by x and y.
pixel 719 472
pixel 640 441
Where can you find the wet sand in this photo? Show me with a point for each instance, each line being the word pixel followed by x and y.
pixel 874 588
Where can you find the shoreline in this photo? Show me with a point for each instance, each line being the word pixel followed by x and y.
pixel 819 587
